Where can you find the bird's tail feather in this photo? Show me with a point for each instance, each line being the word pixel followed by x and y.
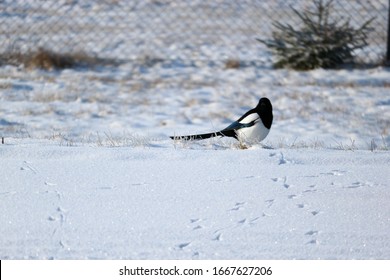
pixel 229 133
pixel 197 136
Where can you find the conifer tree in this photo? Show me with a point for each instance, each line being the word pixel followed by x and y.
pixel 320 42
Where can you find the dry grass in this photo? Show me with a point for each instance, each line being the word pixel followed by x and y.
pixel 49 60
pixel 232 64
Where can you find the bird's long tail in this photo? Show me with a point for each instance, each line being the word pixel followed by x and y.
pixel 229 133
pixel 197 136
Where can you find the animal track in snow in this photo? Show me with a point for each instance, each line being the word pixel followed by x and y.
pixel 195 222
pixel 282 159
pixel 356 185
pixel 267 215
pixel 309 191
pixel 247 221
pixel 238 206
pixel 181 246
pixel 217 237
pixel 59 216
pixel 277 179
pixel 253 221
pixel 270 202
pixel 315 212
pixel 197 227
pixel 312 232
pixel 335 172
pixel 284 179
pixel 285 185
pixel 313 242
pixel 306 206
pixel 51 218
pixel 27 166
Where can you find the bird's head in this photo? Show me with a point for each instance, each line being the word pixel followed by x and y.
pixel 264 109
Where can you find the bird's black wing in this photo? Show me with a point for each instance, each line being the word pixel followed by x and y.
pixel 237 125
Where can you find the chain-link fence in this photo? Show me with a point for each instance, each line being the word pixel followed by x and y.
pixel 187 30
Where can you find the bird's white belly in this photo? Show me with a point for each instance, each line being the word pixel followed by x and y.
pixel 253 134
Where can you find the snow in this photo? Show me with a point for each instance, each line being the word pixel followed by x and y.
pixel 332 107
pixel 62 202
pixel 88 171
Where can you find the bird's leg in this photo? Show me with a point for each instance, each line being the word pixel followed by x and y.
pixel 241 144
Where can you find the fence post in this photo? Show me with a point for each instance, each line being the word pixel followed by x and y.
pixel 388 36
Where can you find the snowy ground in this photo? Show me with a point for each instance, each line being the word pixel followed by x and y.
pixel 145 103
pixel 165 203
pixel 88 170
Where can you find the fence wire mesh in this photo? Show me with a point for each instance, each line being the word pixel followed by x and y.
pixel 186 30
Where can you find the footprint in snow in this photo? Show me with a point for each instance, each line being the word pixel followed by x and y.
pixel 315 212
pixel 59 216
pixel 238 206
pixel 312 242
pixel 196 225
pixel 246 221
pixel 270 202
pixel 181 246
pixel 312 232
pixel 334 172
pixel 27 166
pixel 217 237
pixel 277 179
pixel 356 185
pixel 284 180
pixel 267 215
pixel 310 189
pixel 285 185
pixel 253 221
pixel 282 159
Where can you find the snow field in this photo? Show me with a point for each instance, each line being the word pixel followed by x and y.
pixel 88 172
pixel 161 203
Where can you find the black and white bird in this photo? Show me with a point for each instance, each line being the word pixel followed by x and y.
pixel 252 127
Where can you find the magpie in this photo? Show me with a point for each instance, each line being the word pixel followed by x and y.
pixel 252 127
